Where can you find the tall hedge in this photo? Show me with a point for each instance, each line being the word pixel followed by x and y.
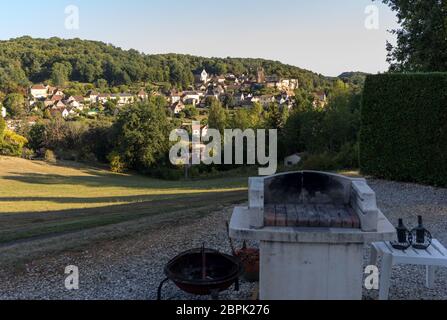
pixel 404 127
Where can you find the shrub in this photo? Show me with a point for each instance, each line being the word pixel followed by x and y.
pixel 2 128
pixel 404 127
pixel 27 154
pixel 12 144
pixel 117 164
pixel 167 173
pixel 49 156
pixel 348 156
pixel 322 161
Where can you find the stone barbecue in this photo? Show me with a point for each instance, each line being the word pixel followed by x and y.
pixel 312 227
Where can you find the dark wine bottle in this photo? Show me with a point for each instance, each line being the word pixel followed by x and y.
pixel 402 232
pixel 420 231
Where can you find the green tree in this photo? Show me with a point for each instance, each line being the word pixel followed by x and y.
pixel 142 139
pixel 241 119
pixel 60 73
pixel 37 136
pixel 190 111
pixel 102 84
pixel 421 39
pixel 256 115
pixel 276 116
pixel 110 107
pixel 15 105
pixel 217 117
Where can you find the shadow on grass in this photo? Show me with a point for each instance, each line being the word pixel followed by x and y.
pixel 21 226
pixel 104 179
pixel 74 200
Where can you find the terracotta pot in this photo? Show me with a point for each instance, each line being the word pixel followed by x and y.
pixel 250 261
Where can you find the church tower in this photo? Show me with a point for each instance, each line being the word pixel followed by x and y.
pixel 261 75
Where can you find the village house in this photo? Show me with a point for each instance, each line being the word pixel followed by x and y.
pixel 239 98
pixel 219 90
pixel 174 97
pixel 39 91
pixel 287 84
pixel 292 160
pixel 79 99
pixel 92 96
pixel 104 97
pixel 120 98
pixel 230 77
pixel 220 79
pixel 76 102
pixel 192 97
pixel 202 77
pixel 65 113
pixel 271 81
pixel 284 98
pixel 57 98
pixel 124 98
pixel 212 92
pixel 62 110
pixel 320 99
pixel 58 105
pixel 48 103
pixel 265 100
pixel 53 91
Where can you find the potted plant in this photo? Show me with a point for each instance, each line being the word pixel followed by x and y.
pixel 250 260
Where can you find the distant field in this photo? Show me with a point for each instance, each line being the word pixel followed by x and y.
pixel 38 199
pixel 35 186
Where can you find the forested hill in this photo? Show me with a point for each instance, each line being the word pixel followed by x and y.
pixel 27 60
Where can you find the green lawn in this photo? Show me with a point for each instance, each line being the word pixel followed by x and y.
pixel 38 199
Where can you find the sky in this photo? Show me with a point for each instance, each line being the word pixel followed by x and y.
pixel 325 36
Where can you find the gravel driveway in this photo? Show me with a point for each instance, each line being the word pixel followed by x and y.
pixel 132 268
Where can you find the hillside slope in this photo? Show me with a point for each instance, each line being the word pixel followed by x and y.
pixel 24 60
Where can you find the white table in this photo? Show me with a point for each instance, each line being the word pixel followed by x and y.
pixel 434 256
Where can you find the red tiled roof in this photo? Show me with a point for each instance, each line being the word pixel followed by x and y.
pixel 57 98
pixel 38 87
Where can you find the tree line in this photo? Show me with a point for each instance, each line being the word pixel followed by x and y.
pixel 27 60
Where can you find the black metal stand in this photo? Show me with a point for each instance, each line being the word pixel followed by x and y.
pixel 214 294
pixel 160 287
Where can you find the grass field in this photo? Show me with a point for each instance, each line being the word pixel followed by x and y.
pixel 38 199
